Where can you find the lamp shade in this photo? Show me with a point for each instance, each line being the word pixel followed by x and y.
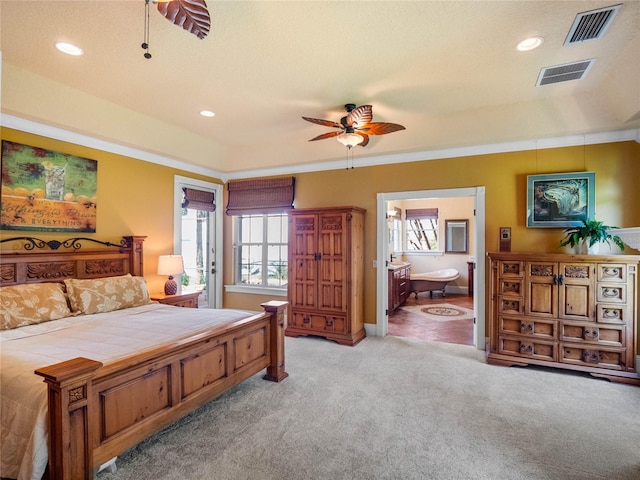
pixel 170 265
pixel 350 140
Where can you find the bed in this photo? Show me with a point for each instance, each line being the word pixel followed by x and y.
pixel 106 379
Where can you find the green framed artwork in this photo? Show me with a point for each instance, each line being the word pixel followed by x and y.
pixel 43 190
pixel 560 199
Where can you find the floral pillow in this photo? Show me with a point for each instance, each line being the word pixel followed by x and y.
pixel 22 305
pixel 100 295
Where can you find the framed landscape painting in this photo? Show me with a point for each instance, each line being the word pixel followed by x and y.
pixel 560 199
pixel 43 190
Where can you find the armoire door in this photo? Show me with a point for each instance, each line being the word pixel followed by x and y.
pixel 333 271
pixel 303 230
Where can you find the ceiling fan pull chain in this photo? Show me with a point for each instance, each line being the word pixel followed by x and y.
pixel 145 43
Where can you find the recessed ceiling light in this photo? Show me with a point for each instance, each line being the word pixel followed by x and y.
pixel 207 113
pixel 69 49
pixel 530 43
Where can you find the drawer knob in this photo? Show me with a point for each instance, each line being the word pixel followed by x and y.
pixel 591 333
pixel 526 348
pixel 591 356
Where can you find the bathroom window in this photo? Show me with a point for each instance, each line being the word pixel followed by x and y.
pixel 422 229
pixel 394 217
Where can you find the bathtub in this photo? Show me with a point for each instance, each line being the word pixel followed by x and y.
pixel 430 281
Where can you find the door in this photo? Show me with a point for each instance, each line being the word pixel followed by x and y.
pixel 198 238
pixel 541 294
pixel 332 245
pixel 303 251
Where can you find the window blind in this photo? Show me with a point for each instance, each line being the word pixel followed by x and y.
pixel 260 196
pixel 198 200
pixel 422 213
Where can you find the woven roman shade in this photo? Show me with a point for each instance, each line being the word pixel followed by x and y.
pixel 422 213
pixel 260 196
pixel 198 200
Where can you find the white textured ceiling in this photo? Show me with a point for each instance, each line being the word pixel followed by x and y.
pixel 446 70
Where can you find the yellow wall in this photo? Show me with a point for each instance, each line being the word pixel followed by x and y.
pixel 134 198
pixel 616 167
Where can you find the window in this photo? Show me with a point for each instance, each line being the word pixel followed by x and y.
pixel 261 243
pixel 394 217
pixel 422 229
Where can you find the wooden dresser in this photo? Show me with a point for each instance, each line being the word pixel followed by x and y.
pixel 576 312
pixel 326 273
pixel 399 276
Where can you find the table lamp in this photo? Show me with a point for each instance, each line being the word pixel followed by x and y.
pixel 170 265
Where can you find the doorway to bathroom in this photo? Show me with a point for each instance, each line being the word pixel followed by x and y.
pixel 448 236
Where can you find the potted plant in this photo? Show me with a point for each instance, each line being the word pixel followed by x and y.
pixel 589 235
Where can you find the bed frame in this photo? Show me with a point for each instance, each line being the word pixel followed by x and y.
pixel 97 411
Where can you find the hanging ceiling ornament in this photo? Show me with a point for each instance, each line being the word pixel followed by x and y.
pixel 191 15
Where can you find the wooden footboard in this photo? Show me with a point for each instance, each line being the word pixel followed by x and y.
pixel 97 411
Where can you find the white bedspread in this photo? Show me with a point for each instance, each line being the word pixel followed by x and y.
pixel 103 337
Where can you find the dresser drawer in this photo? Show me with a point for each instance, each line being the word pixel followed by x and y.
pixel 611 293
pixel 612 272
pixel 615 314
pixel 542 329
pixel 592 333
pixel 511 269
pixel 593 356
pixel 528 347
pixel 510 286
pixel 510 305
pixel 319 323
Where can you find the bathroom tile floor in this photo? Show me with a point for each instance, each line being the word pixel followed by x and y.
pixel 404 324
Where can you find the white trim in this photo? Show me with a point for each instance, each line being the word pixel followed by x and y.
pixel 180 181
pixel 56 133
pixel 29 126
pixel 382 321
pixel 274 292
pixel 474 150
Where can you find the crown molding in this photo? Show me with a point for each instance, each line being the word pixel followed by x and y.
pixel 29 126
pixel 36 128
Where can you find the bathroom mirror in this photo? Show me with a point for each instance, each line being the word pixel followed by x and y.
pixel 456 236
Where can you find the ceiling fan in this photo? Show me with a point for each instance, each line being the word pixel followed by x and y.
pixel 355 127
pixel 191 15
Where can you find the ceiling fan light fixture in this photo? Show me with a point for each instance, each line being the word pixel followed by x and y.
pixel 350 140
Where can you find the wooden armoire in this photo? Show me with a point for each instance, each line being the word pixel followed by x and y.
pixel 326 270
pixel 577 312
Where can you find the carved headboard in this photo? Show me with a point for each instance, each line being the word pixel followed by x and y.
pixel 39 261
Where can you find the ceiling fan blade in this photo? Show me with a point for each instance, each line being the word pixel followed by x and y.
pixel 366 139
pixel 326 123
pixel 360 115
pixel 192 15
pixel 379 128
pixel 325 135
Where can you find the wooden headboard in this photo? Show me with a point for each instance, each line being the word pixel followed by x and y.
pixel 39 261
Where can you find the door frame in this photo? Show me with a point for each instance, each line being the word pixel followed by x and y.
pixel 214 284
pixel 382 319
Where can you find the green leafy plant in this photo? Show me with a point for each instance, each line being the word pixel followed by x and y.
pixel 592 232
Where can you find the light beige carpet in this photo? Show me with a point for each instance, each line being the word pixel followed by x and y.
pixel 439 312
pixel 397 409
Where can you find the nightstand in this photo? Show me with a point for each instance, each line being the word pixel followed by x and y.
pixel 189 300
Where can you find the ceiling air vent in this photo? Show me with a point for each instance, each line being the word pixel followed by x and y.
pixel 591 25
pixel 564 73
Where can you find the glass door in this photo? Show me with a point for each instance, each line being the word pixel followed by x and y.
pixel 198 238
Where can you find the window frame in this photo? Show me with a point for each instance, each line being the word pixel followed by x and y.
pixel 265 244
pixel 408 228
